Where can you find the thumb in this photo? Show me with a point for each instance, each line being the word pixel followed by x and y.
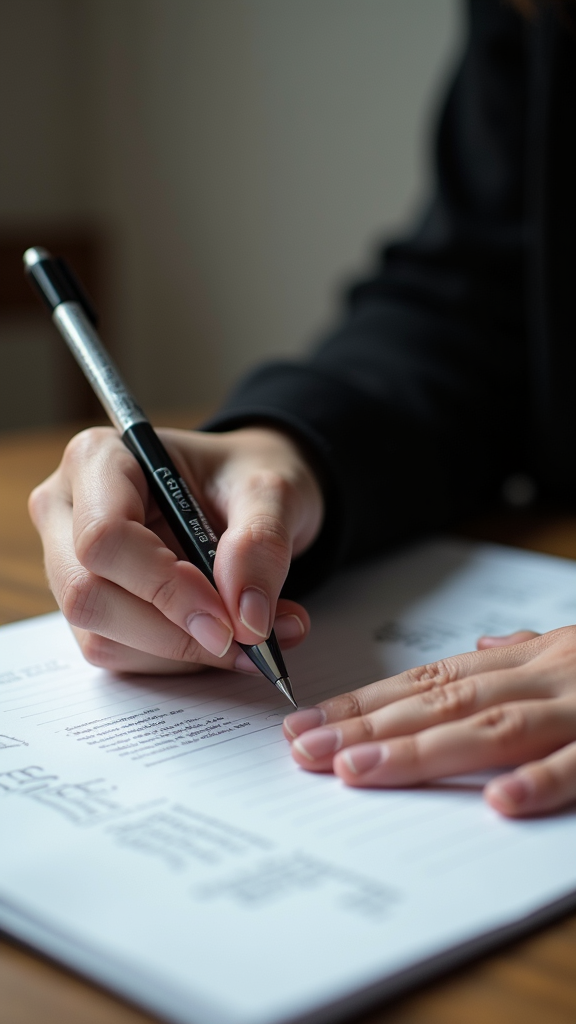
pixel 254 553
pixel 506 641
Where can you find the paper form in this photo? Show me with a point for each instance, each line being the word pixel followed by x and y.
pixel 156 834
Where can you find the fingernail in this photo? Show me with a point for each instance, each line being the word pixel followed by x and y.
pixel 319 743
pixel 289 627
pixel 254 611
pixel 301 721
pixel 365 756
pixel 243 664
pixel 512 789
pixel 214 635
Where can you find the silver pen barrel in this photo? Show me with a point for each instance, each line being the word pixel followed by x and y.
pixel 84 343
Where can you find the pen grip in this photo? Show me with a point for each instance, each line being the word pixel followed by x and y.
pixel 177 504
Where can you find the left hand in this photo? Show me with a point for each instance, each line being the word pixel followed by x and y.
pixel 511 702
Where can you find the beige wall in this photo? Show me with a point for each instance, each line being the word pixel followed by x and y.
pixel 244 156
pixel 40 166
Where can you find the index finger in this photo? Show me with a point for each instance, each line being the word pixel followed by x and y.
pixel 113 540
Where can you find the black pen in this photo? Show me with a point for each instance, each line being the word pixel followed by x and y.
pixel 76 321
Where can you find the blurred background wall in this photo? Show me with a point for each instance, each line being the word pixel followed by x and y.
pixel 217 168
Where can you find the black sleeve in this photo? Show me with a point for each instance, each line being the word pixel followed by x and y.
pixel 412 410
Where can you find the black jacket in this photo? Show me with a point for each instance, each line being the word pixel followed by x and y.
pixel 455 364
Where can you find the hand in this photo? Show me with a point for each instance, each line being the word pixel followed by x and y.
pixel 136 604
pixel 512 702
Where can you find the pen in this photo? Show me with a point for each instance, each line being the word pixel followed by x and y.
pixel 75 319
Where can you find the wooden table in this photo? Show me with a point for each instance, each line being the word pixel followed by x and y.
pixel 530 982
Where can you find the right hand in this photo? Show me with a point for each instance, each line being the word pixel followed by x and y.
pixel 135 603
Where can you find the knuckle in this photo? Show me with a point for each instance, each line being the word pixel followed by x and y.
pixel 266 532
pixel 268 483
pixel 38 503
pixel 506 725
pixel 409 751
pixel 91 537
pixel 345 706
pixel 99 651
pixel 82 445
pixel 79 600
pixel 186 649
pixel 450 700
pixel 269 531
pixel 435 674
pixel 165 596
pixel 367 728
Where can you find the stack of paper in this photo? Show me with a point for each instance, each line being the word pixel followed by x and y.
pixel 156 835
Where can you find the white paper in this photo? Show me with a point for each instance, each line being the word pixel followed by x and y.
pixel 156 834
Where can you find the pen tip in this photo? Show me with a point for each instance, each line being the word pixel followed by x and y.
pixel 285 687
